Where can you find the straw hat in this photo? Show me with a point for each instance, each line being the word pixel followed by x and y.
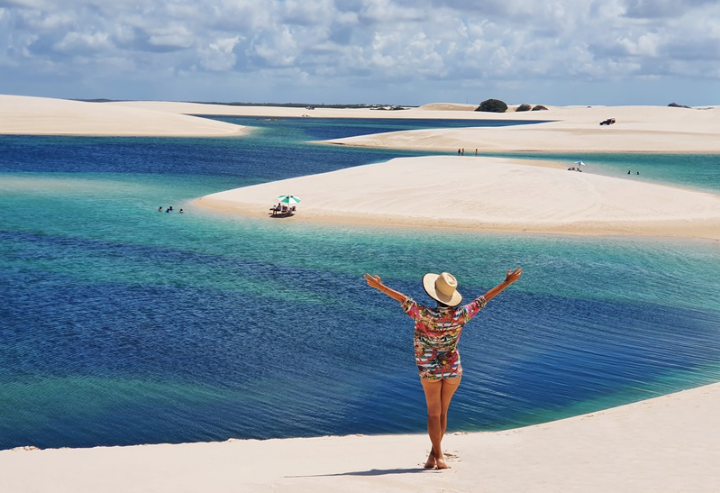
pixel 443 288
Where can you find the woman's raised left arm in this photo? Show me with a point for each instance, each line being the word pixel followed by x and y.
pixel 511 277
pixel 375 282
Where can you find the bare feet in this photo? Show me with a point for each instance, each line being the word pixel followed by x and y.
pixel 434 462
pixel 440 461
pixel 431 463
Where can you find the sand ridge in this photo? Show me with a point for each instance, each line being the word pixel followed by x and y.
pixel 669 444
pixel 23 115
pixel 481 193
pixel 571 130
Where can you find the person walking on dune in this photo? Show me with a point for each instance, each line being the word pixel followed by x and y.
pixel 437 332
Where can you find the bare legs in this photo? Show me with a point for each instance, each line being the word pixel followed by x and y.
pixel 438 394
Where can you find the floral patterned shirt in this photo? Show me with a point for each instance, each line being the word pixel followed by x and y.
pixel 437 331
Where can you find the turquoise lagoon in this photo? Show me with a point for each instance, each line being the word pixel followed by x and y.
pixel 122 325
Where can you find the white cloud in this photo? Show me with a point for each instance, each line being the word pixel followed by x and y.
pixel 48 23
pixel 219 55
pixel 174 36
pixel 436 44
pixel 80 43
pixel 277 50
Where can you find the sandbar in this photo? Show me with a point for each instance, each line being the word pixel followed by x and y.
pixel 668 444
pixel 648 129
pixel 573 129
pixel 430 111
pixel 565 129
pixel 484 194
pixel 24 115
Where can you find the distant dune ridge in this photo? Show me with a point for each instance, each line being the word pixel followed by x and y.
pixel 568 129
pixel 448 107
pixel 45 116
pixel 571 129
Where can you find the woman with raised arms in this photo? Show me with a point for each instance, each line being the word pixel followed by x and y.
pixel 437 331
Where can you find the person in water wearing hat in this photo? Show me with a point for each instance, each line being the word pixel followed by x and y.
pixel 437 331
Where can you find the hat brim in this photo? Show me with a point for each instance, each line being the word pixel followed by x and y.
pixel 429 285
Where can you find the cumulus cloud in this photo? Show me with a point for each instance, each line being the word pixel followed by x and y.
pixel 358 44
pixel 218 55
pixel 175 36
pixel 79 43
pixel 655 9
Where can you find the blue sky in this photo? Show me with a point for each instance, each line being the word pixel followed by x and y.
pixel 364 51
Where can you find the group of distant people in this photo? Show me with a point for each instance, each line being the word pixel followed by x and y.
pixel 281 208
pixel 637 172
pixel 169 209
pixel 461 151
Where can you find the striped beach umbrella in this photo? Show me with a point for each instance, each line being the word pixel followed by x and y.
pixel 289 199
pixel 580 163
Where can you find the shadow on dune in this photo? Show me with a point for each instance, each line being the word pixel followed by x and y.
pixel 371 472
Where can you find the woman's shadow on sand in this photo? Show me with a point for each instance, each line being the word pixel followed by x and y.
pixel 371 472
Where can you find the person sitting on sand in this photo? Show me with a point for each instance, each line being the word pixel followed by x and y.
pixel 437 331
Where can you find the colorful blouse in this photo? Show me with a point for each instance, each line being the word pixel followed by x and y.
pixel 437 332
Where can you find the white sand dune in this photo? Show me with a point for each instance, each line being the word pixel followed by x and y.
pixel 448 107
pixel 45 116
pixel 567 129
pixel 670 444
pixel 436 111
pixel 573 129
pixel 485 194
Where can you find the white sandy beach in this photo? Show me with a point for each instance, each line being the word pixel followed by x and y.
pixel 574 129
pixel 479 193
pixel 450 111
pixel 568 129
pixel 669 444
pixel 21 115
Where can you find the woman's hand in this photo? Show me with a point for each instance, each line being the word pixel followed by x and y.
pixel 373 281
pixel 513 275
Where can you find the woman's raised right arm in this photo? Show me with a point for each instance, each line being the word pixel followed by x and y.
pixel 375 282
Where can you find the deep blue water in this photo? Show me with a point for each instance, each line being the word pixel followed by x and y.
pixel 121 325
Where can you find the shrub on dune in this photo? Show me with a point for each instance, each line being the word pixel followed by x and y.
pixel 492 106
